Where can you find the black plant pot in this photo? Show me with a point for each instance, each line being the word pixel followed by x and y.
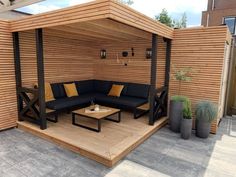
pixel 186 128
pixel 202 129
pixel 176 115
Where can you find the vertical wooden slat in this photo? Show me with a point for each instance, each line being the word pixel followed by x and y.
pixel 8 101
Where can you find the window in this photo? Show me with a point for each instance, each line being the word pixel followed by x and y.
pixel 231 23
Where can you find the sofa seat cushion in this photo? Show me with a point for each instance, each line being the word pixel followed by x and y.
pixel 64 103
pixel 121 102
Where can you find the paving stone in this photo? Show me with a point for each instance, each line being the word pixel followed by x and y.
pixel 130 169
pixel 164 153
pixel 12 172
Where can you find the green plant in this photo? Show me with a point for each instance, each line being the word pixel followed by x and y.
pixel 206 111
pixel 182 75
pixel 187 112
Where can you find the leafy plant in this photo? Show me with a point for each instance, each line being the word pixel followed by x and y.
pixel 182 75
pixel 187 111
pixel 127 2
pixel 166 19
pixel 206 111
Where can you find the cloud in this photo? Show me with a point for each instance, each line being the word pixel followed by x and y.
pixel 38 8
pixel 50 5
pixel 75 2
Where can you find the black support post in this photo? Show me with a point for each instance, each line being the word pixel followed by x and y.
pixel 41 88
pixel 153 78
pixel 16 47
pixel 168 56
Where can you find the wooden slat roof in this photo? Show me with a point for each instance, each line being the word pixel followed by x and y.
pixel 100 9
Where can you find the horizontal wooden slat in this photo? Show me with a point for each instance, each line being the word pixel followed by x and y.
pixel 102 9
pixel 202 49
pixel 8 111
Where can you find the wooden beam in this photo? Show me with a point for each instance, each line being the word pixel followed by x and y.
pixel 41 87
pixel 16 47
pixel 168 58
pixel 153 78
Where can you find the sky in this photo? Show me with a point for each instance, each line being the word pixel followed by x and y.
pixel 193 8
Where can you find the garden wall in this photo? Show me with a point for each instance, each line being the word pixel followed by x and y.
pixel 203 50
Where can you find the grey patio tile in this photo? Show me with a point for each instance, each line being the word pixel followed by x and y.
pixel 90 165
pixel 4 165
pixel 177 167
pixel 164 152
pixel 63 153
pixel 12 172
pixel 15 155
pixel 213 173
pixel 147 159
pixel 35 168
pixel 191 156
pixel 131 169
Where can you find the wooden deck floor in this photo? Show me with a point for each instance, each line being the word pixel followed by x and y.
pixel 109 146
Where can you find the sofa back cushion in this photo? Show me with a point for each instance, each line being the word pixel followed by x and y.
pixel 138 90
pixel 85 86
pixel 58 90
pixel 122 83
pixel 102 86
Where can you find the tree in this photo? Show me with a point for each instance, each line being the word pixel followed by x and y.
pixel 166 19
pixel 182 23
pixel 127 2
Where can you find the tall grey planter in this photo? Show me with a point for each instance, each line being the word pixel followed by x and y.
pixel 176 115
pixel 202 129
pixel 186 128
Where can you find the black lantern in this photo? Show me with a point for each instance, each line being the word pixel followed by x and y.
pixel 103 54
pixel 125 54
pixel 148 53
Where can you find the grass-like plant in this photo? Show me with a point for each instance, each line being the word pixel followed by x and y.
pixel 187 111
pixel 206 111
pixel 182 75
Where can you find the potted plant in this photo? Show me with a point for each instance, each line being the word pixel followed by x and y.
pixel 186 123
pixel 206 113
pixel 176 105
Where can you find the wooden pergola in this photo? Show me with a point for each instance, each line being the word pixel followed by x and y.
pixel 102 15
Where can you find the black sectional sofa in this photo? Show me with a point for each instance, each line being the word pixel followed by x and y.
pixel 132 96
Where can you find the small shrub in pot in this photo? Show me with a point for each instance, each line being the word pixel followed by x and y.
pixel 176 102
pixel 206 113
pixel 186 122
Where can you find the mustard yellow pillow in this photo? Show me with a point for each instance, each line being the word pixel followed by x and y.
pixel 48 91
pixel 116 90
pixel 71 90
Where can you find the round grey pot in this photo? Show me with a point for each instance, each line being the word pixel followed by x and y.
pixel 176 115
pixel 186 128
pixel 202 129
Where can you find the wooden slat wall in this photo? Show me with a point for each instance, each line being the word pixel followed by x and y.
pixel 202 49
pixel 138 68
pixel 8 107
pixel 66 59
